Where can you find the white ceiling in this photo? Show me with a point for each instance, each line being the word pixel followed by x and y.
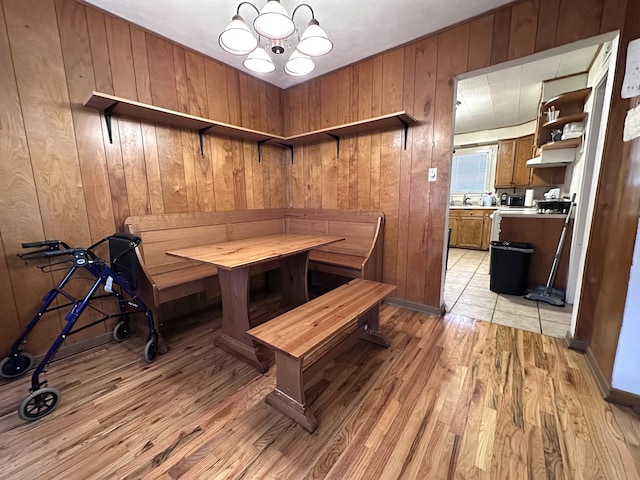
pixel 511 96
pixel 358 29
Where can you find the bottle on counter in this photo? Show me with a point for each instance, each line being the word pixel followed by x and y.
pixel 481 200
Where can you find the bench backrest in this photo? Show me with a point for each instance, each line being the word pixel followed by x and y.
pixel 362 229
pixel 161 233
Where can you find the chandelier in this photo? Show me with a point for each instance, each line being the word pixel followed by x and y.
pixel 275 30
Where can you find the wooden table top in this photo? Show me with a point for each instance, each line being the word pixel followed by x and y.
pixel 250 251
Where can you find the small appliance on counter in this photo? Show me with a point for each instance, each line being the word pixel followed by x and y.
pixel 553 206
pixel 515 201
pixel 503 199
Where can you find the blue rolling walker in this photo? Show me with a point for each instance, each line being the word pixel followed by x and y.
pixel 118 278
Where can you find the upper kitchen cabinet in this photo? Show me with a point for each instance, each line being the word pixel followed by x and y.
pixel 512 170
pixel 511 164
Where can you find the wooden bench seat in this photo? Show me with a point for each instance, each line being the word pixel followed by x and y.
pixel 166 279
pixel 303 336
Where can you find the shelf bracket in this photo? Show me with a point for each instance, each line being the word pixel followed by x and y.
pixel 260 142
pixel 201 137
pixel 107 119
pixel 337 139
pixel 405 127
pixel 290 147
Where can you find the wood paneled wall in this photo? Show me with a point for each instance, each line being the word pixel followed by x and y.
pixel 375 172
pixel 60 177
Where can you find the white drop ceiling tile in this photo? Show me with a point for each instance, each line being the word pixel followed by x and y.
pixel 511 96
pixel 578 63
pixel 542 69
pixel 486 119
pixel 483 109
pixel 465 126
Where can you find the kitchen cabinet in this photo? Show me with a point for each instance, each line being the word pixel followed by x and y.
pixel 512 170
pixel 504 163
pixel 470 228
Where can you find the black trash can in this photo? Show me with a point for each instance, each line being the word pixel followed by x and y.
pixel 509 267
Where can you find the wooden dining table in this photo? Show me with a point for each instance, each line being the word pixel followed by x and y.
pixel 233 260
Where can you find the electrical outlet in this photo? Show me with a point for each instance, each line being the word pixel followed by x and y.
pixel 433 174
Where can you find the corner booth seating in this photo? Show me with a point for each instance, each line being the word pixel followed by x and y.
pixel 165 279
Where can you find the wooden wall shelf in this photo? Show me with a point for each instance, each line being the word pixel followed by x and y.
pixel 571 143
pixel 577 96
pixel 109 105
pixel 562 121
pixel 571 107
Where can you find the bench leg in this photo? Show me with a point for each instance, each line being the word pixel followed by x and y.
pixel 288 397
pixel 372 333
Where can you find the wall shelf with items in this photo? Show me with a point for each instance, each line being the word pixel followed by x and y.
pixel 110 105
pixel 570 143
pixel 570 106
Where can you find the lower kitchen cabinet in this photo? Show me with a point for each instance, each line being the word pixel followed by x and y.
pixel 470 228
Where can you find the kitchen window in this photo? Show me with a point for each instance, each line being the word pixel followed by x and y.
pixel 470 172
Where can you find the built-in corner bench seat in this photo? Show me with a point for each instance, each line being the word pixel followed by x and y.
pixel 165 278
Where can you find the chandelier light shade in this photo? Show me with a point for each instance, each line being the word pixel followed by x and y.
pixel 314 41
pixel 259 61
pixel 299 64
pixel 274 22
pixel 237 39
pixel 275 31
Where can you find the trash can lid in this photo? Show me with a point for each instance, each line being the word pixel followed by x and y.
pixel 515 246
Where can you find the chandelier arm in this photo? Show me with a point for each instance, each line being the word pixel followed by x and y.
pixel 248 3
pixel 303 5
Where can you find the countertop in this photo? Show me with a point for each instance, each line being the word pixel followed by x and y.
pixel 514 212
pixel 521 212
pixel 471 207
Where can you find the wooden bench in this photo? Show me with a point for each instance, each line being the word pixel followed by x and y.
pixel 165 280
pixel 303 336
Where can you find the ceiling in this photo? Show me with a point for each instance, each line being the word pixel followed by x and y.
pixel 511 96
pixel 358 29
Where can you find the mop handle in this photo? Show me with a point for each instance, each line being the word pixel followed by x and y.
pixel 556 258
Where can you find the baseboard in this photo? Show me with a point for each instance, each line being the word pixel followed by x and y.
pixel 68 350
pixel 625 399
pixel 418 307
pixel 601 381
pixel 575 344
pixel 609 393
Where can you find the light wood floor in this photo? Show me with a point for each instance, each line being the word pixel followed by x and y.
pixel 450 398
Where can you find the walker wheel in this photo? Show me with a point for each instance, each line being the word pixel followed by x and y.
pixel 150 350
pixel 38 404
pixel 121 331
pixel 16 365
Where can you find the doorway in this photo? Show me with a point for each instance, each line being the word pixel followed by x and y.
pixel 586 170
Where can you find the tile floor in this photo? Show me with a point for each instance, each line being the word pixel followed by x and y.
pixel 467 293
